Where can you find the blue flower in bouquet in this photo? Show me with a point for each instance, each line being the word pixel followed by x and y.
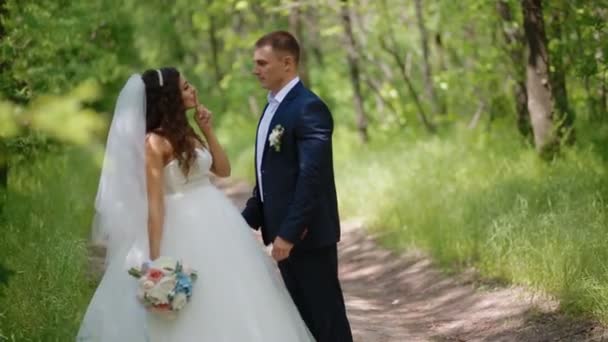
pixel 165 285
pixel 184 284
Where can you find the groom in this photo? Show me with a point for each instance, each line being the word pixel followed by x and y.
pixel 294 201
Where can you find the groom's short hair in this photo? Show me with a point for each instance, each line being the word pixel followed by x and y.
pixel 281 41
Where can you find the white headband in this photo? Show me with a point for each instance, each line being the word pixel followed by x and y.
pixel 160 77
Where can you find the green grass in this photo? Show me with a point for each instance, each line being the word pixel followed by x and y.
pixel 487 201
pixel 45 229
pixel 466 198
pixel 45 226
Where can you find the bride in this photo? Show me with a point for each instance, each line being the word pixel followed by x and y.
pixel 154 199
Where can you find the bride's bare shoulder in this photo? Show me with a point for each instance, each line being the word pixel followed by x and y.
pixel 157 144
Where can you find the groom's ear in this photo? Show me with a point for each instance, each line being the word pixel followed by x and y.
pixel 289 61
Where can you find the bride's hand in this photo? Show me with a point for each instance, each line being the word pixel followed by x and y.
pixel 203 118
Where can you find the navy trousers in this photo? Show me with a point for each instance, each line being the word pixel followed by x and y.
pixel 311 277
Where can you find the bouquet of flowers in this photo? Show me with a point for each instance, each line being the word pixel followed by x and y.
pixel 164 285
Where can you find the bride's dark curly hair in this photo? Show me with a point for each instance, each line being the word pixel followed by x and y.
pixel 166 114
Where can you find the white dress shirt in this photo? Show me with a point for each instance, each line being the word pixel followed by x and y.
pixel 273 103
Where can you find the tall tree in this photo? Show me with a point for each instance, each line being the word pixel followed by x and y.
pixel 538 79
pixel 426 63
pixel 3 151
pixel 515 41
pixel 353 67
pixel 215 46
pixel 564 117
pixel 2 13
pixel 296 26
pixel 389 43
pixel 313 35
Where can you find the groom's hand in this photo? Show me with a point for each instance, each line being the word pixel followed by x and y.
pixel 281 249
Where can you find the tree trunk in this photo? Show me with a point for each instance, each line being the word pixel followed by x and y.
pixel 5 274
pixel 296 27
pixel 353 68
pixel 313 36
pixel 374 86
pixel 373 81
pixel 392 50
pixel 524 126
pixel 538 79
pixel 3 150
pixel 3 183
pixel 426 63
pixel 2 14
pixel 410 85
pixel 604 97
pixel 440 52
pixel 442 67
pixel 477 115
pixel 213 41
pixel 3 168
pixel 564 118
pixel 515 47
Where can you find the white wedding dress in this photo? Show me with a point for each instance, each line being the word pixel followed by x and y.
pixel 239 295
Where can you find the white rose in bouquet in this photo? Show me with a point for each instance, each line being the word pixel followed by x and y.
pixel 159 292
pixel 179 301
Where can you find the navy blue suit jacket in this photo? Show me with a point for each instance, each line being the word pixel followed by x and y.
pixel 300 203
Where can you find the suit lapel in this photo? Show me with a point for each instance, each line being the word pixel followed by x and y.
pixel 277 118
pixel 255 147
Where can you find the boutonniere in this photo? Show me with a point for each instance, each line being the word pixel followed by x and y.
pixel 275 137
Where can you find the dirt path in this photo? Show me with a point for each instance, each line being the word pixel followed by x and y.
pixel 399 298
pixel 405 298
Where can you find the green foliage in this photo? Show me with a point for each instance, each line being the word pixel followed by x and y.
pixel 210 42
pixel 62 116
pixel 478 197
pixel 51 46
pixel 58 60
pixel 582 46
pixel 45 230
pixel 480 200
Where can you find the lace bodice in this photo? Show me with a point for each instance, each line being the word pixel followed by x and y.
pixel 176 182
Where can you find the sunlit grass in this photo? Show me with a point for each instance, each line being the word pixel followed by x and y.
pixel 487 201
pixel 45 227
